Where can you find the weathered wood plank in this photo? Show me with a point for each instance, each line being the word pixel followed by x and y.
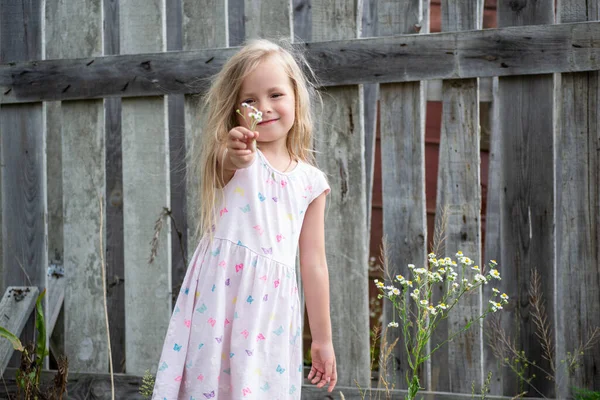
pixel 216 12
pixel 302 20
pixel 340 144
pixel 577 187
pixel 526 135
pixel 237 22
pixel 492 249
pixel 509 51
pixel 457 365
pixel 97 386
pixel 84 183
pixel 23 159
pixel 270 19
pixel 115 290
pixel 146 192
pixel 402 123
pixel 15 309
pixel 176 118
pixel 83 174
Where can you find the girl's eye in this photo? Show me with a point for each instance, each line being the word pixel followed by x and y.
pixel 248 101
pixel 276 95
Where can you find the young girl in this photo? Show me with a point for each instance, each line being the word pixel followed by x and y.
pixel 236 330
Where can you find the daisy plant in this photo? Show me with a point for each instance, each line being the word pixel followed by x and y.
pixel 255 117
pixel 412 298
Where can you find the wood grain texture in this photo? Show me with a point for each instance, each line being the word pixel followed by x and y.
pixel 457 365
pixel 204 24
pixel 146 192
pixel 510 51
pixel 302 13
pixel 526 134
pixel 83 189
pixel 215 11
pixel 577 162
pixel 74 29
pixel 492 245
pixel 176 121
pixel 402 124
pixel 237 22
pixel 15 309
pixel 340 146
pixel 270 19
pixel 24 231
pixel 115 270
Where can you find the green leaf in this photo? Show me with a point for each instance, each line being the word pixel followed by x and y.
pixel 16 343
pixel 40 326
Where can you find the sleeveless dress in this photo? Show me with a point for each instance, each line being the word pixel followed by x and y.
pixel 235 332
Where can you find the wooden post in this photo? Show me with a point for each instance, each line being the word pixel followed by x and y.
pixel 340 144
pixel 577 264
pixel 146 193
pixel 23 154
pixel 527 206
pixel 269 19
pixel 402 123
pixel 457 365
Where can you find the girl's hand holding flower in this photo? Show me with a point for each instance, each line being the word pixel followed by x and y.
pixel 240 148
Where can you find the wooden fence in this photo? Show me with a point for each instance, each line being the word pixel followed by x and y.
pixel 98 103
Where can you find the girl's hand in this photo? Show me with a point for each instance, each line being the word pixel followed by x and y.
pixel 241 146
pixel 324 370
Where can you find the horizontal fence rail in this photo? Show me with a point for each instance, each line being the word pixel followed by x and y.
pixel 522 50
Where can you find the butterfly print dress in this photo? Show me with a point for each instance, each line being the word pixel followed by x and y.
pixel 235 332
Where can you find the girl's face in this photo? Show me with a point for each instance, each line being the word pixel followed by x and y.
pixel 269 89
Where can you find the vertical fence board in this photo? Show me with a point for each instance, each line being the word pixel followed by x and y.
pixel 146 192
pixel 371 96
pixel 302 15
pixel 268 19
pixel 492 249
pixel 577 264
pixel 236 21
pixel 340 145
pixel 83 175
pixel 402 124
pixel 179 239
pixel 526 134
pixel 24 206
pixel 457 365
pixel 214 12
pixel 115 269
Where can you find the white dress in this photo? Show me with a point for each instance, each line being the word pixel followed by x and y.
pixel 235 332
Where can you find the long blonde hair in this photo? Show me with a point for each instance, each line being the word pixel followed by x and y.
pixel 220 105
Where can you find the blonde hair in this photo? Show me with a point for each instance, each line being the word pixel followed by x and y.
pixel 219 109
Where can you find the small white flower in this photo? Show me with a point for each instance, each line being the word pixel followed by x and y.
pixel 496 291
pixel 480 278
pixel 495 274
pixel 396 291
pixel 455 285
pixel 459 254
pixel 476 268
pixel 431 255
pixel 423 302
pixel 504 296
pixel 411 266
pixel 393 325
pixel 420 271
pixel 432 310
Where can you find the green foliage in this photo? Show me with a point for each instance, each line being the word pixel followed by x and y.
pixel 584 394
pixel 147 385
pixel 16 343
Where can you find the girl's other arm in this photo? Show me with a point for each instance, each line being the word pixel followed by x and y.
pixel 315 278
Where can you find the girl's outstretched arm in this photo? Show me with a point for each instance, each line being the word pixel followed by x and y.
pixel 315 279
